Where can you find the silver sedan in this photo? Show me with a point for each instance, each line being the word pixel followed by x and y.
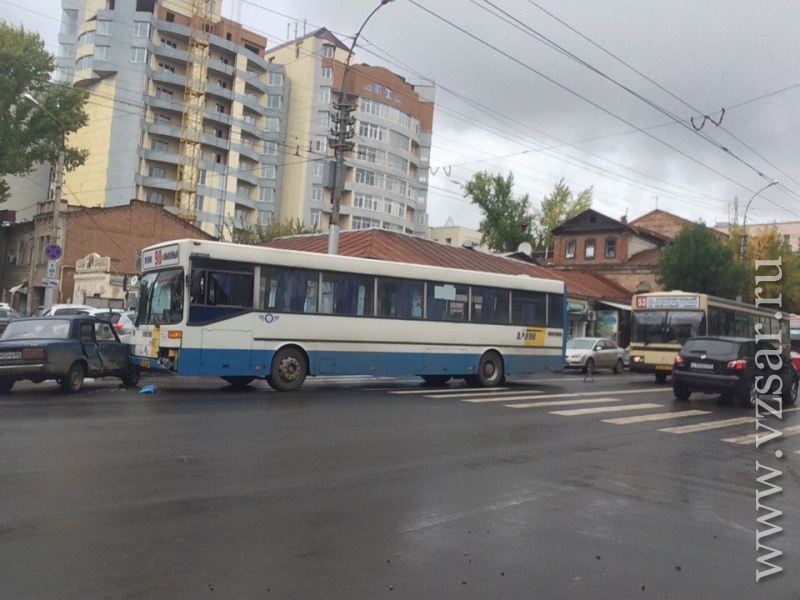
pixel 591 353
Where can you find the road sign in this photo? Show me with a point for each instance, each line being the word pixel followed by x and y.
pixel 52 269
pixel 49 282
pixel 52 251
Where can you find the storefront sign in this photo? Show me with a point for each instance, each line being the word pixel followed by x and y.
pixel 607 324
pixel 574 306
pixel 668 302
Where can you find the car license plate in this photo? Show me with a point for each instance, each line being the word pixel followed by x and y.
pixel 663 368
pixel 702 366
pixel 10 355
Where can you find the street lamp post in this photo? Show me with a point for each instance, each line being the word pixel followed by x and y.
pixel 342 143
pixel 55 225
pixel 743 236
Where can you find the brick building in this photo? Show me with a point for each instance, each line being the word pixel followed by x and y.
pixel 118 233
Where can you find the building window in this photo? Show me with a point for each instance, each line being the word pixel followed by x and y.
pixel 163 93
pixel 327 72
pixel 85 62
pixel 398 140
pixel 249 119
pixel 103 28
pixel 101 52
pixel 157 172
pixel 166 68
pixel 138 55
pixel 170 17
pixel 86 38
pixel 323 119
pixel 324 95
pixel 365 223
pixel 370 178
pixel 264 217
pixel 159 146
pixel 272 124
pixel 266 194
pixel 321 144
pixel 319 169
pixel 155 198
pixel 270 148
pixel 274 101
pixel 371 131
pixel 275 78
pixel 199 203
pixel 170 43
pixel 141 29
pixel 316 193
pixel 569 249
pixel 69 21
pixel 611 247
pixel 316 218
pixel 327 49
pixel 268 171
pixel 588 250
pixel 372 155
pixel 243 191
pixel 162 120
pixel 365 201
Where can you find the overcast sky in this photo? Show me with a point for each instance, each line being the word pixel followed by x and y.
pixel 600 94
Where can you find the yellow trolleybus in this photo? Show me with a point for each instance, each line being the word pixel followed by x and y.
pixel 663 321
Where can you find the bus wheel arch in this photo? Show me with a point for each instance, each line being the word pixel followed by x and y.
pixel 491 370
pixel 290 366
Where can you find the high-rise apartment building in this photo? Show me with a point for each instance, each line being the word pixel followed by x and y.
pixel 386 183
pixel 132 56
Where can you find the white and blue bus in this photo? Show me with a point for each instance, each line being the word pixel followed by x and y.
pixel 243 312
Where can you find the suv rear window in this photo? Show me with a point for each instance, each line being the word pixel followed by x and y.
pixel 712 348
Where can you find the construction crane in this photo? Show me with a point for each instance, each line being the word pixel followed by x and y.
pixel 194 104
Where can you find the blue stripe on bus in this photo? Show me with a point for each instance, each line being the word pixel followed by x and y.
pixel 220 362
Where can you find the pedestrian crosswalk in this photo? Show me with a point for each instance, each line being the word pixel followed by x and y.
pixel 604 405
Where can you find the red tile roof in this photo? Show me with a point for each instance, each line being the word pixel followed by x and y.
pixel 385 245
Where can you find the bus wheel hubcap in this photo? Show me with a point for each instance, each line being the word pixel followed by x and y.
pixel 289 368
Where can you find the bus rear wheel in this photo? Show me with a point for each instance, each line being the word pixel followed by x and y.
pixel 289 369
pixel 490 370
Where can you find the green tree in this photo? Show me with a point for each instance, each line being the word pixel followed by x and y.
pixel 506 220
pixel 558 207
pixel 28 135
pixel 697 261
pixel 254 234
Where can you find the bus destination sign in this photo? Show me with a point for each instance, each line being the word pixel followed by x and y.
pixel 161 257
pixel 668 302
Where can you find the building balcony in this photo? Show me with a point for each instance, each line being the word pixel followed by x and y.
pixel 248 177
pixel 167 104
pixel 220 67
pixel 248 151
pixel 213 115
pixel 251 103
pixel 157 183
pixel 251 129
pixel 170 158
pixel 216 142
pixel 161 76
pixel 164 51
pixel 217 91
pixel 252 79
pixel 164 129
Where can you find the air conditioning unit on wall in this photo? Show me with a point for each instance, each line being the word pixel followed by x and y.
pixel 591 315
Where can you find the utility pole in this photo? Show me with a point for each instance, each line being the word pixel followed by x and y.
pixel 50 289
pixel 342 134
pixel 743 237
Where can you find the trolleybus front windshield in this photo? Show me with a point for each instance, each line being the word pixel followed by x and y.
pixel 161 298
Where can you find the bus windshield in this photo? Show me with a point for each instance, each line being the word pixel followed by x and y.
pixel 161 298
pixel 667 327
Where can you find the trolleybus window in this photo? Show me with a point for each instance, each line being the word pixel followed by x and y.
pixel 347 294
pixel 289 290
pixel 529 309
pixel 490 305
pixel 399 298
pixel 447 302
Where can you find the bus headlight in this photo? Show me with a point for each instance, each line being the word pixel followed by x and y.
pixel 637 359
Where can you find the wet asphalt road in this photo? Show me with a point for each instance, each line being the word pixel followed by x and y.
pixel 374 489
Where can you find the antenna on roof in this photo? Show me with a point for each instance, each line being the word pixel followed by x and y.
pixel 525 248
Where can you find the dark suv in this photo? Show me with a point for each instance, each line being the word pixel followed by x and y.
pixel 727 365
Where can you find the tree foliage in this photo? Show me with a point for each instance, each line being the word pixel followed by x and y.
pixel 28 135
pixel 769 245
pixel 697 261
pixel 556 208
pixel 506 219
pixel 254 234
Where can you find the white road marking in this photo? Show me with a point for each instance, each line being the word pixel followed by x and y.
pixel 745 440
pixel 657 417
pixel 559 402
pixel 501 396
pixel 708 425
pixel 603 409
pixel 451 391
pixel 582 394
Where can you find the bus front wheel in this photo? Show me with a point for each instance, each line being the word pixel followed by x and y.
pixel 289 369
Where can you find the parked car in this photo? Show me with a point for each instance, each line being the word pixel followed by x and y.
pixel 7 314
pixel 795 351
pixel 591 353
pixel 63 309
pixel 119 318
pixel 66 349
pixel 727 365
pixel 626 358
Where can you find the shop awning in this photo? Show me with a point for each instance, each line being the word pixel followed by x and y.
pixel 616 305
pixel 18 289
